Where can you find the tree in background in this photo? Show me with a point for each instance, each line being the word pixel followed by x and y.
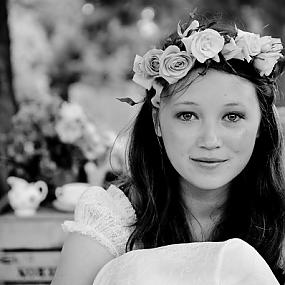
pixel 8 104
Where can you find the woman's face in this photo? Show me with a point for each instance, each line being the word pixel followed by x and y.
pixel 209 130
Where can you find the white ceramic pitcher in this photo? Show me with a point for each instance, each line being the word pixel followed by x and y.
pixel 25 197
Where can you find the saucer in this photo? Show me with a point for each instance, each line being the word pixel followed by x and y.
pixel 61 206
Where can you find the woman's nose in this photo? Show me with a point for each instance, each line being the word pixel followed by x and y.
pixel 209 137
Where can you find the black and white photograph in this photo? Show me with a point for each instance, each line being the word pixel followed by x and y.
pixel 142 142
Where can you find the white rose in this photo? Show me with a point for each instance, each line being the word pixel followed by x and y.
pixel 265 62
pixel 146 68
pixel 269 44
pixel 249 43
pixel 140 76
pixel 151 62
pixel 204 45
pixel 175 64
pixel 231 50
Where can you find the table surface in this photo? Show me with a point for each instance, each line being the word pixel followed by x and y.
pixel 43 230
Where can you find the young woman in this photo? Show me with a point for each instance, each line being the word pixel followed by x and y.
pixel 203 202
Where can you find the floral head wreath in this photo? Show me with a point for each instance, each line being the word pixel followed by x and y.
pixel 203 44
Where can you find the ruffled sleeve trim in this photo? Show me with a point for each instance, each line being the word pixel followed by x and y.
pixel 104 215
pixel 123 203
pixel 71 226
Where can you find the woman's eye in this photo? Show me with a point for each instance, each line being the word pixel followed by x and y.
pixel 233 117
pixel 186 116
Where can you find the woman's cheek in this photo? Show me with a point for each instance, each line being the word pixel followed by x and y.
pixel 241 140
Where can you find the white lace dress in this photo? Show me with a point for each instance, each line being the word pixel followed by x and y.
pixel 105 215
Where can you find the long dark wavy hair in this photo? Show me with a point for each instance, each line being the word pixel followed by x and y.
pixel 254 210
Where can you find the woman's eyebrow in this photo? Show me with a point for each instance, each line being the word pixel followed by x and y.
pixel 233 104
pixel 186 103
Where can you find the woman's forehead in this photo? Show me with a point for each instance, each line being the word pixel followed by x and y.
pixel 212 87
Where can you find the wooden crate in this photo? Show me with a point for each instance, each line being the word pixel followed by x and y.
pixel 16 266
pixel 30 247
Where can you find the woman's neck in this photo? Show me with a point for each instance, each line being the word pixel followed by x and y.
pixel 204 207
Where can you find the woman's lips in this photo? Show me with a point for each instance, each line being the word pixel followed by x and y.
pixel 209 162
pixel 208 159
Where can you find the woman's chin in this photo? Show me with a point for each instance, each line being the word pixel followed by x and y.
pixel 206 183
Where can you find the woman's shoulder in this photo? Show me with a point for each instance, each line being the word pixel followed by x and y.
pixel 105 215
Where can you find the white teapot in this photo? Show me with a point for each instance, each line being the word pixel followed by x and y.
pixel 25 197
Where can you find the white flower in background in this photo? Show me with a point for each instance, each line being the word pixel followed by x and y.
pixel 69 131
pixel 72 111
pixel 74 127
pixel 91 142
pixel 70 124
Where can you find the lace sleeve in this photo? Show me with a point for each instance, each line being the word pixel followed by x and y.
pixel 105 215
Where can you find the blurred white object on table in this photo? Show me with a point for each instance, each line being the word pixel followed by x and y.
pixel 25 197
pixel 68 195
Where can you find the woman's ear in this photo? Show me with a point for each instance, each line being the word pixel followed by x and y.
pixel 156 123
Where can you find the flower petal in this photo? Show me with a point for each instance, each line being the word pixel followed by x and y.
pixel 193 26
pixel 137 62
pixel 143 81
pixel 155 100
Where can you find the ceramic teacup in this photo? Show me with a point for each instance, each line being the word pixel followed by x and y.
pixel 70 193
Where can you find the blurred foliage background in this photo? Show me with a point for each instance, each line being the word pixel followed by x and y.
pixel 82 51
